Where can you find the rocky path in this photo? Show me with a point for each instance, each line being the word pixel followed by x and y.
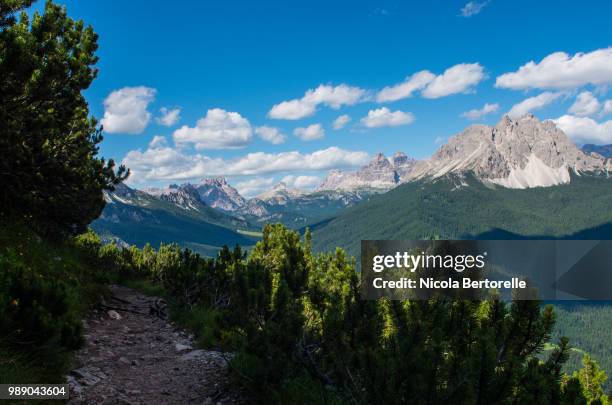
pixel 133 355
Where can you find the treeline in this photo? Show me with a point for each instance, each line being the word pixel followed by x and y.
pixel 302 334
pixel 423 209
pixel 52 187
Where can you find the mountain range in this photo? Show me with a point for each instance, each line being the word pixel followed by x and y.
pixel 514 154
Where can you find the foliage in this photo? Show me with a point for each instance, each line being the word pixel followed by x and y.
pixel 591 379
pixel 587 325
pixel 139 218
pixel 304 335
pixel 45 288
pixel 48 144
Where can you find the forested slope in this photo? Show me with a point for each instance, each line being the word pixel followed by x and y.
pixel 455 208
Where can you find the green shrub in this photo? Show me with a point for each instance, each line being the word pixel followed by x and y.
pixel 37 308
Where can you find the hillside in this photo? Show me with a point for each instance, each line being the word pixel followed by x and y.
pixel 136 217
pixel 455 207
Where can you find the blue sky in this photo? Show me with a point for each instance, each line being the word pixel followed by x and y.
pixel 238 59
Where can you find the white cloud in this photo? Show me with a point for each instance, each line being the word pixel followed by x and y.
pixel 301 182
pixel 219 129
pixel 457 79
pixel 292 110
pixel 169 117
pixel 158 141
pixel 479 113
pixel 332 96
pixel 607 109
pixel 533 103
pixel 165 164
pixel 310 133
pixel 586 104
pixel 341 121
pixel 405 89
pixel 125 110
pixel 252 187
pixel 270 134
pixel 383 117
pixel 472 8
pixel 560 71
pixel 585 130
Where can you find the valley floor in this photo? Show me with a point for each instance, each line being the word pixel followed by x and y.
pixel 134 356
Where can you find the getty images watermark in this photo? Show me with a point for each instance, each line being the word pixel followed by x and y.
pixel 517 269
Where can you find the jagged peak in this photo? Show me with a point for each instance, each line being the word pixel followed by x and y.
pixel 220 180
pixel 279 190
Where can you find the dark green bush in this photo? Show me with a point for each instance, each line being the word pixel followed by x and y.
pixel 37 308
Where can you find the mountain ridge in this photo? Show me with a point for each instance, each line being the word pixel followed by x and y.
pixel 520 153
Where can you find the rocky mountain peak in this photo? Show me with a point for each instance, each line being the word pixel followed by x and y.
pixel 214 181
pixel 516 153
pixel 378 162
pixel 279 194
pixel 399 158
pixel 380 173
pixel 217 193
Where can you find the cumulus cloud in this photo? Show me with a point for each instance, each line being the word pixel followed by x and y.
pixel 301 182
pixel 219 129
pixel 457 79
pixel 480 112
pixel 586 104
pixel 383 117
pixel 341 121
pixel 310 133
pixel 158 141
pixel 472 8
pixel 405 89
pixel 332 96
pixel 125 110
pixel 165 163
pixel 270 134
pixel 585 130
pixel 533 103
pixel 561 71
pixel 252 187
pixel 607 109
pixel 168 117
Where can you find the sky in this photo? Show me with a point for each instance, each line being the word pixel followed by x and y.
pixel 266 91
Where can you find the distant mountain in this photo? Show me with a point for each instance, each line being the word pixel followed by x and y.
pixel 518 153
pixel 168 215
pixel 217 193
pixel 514 154
pixel 380 174
pixel 280 194
pixel 296 211
pixel 602 150
pixel 291 207
pixel 461 206
pixel 184 196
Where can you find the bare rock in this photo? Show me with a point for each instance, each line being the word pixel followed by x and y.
pixel 179 347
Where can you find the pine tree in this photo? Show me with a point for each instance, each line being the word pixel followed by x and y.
pixel 591 379
pixel 49 167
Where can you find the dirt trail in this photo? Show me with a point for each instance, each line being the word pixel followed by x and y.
pixel 134 356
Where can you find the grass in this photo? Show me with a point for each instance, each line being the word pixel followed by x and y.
pixel 43 366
